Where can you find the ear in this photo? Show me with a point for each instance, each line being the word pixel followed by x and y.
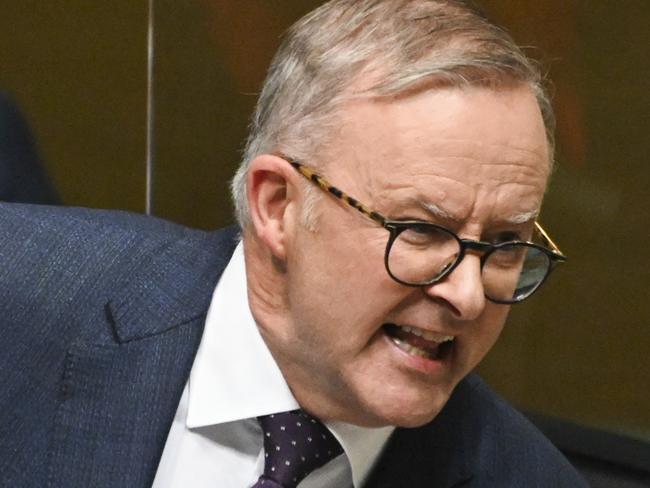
pixel 270 186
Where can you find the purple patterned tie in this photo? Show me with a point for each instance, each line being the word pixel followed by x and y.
pixel 295 444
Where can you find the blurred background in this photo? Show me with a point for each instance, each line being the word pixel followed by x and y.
pixel 73 74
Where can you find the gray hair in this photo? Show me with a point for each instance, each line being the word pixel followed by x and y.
pixel 390 46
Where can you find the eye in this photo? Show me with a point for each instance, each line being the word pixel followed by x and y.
pixel 508 256
pixel 425 236
pixel 419 234
pixel 506 236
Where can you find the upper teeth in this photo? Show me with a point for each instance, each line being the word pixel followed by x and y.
pixel 427 334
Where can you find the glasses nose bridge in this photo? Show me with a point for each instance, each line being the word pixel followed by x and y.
pixel 482 248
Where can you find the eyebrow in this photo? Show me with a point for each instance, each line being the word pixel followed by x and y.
pixel 438 211
pixel 522 218
pixel 519 218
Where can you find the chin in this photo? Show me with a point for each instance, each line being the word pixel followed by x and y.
pixel 408 412
pixel 411 419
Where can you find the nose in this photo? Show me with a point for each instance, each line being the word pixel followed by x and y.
pixel 462 290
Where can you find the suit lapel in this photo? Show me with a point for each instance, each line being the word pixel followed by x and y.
pixel 118 399
pixel 118 404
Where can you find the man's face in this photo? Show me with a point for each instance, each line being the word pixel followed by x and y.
pixel 360 347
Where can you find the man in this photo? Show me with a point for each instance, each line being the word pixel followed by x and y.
pixel 125 369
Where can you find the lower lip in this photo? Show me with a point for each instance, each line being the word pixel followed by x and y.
pixel 428 366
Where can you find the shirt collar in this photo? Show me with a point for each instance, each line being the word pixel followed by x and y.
pixel 362 446
pixel 235 377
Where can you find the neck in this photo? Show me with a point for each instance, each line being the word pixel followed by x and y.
pixel 267 291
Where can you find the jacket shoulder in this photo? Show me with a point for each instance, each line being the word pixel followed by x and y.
pixel 477 440
pixel 56 219
pixel 509 449
pixel 69 262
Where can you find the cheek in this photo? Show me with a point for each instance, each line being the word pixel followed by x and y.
pixel 340 287
pixel 489 330
pixel 340 260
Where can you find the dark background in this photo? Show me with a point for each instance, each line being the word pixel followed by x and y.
pixel 579 350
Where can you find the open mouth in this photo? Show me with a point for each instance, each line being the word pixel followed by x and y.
pixel 419 342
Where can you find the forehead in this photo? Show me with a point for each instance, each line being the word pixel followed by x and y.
pixel 460 150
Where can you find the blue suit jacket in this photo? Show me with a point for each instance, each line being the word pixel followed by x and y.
pixel 101 314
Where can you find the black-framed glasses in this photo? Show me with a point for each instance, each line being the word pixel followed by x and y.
pixel 420 253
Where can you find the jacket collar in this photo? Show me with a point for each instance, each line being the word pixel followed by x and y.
pixel 170 286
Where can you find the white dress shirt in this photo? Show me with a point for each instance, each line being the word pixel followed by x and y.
pixel 215 439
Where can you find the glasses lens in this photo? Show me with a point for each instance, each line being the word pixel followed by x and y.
pixel 422 253
pixel 513 272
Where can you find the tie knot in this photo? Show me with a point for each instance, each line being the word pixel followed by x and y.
pixel 295 444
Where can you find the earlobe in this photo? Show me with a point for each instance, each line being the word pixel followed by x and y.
pixel 269 196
